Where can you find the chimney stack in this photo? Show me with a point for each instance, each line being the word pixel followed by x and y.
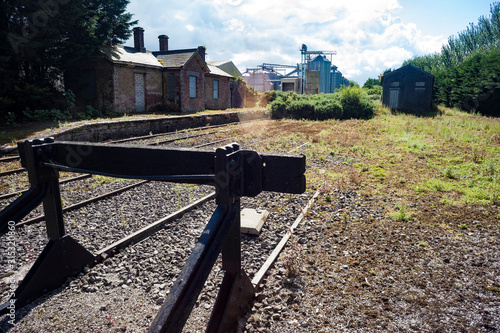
pixel 139 39
pixel 163 42
pixel 201 52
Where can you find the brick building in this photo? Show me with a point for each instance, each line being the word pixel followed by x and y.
pixel 131 79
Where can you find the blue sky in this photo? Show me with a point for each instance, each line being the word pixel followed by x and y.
pixel 368 35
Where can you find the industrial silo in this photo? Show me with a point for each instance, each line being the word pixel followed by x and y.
pixel 321 65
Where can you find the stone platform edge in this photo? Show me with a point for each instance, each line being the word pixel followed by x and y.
pixel 115 130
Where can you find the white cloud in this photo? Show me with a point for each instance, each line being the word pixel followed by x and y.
pixel 367 34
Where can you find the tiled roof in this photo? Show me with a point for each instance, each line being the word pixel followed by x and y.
pixel 174 59
pixel 167 59
pixel 128 55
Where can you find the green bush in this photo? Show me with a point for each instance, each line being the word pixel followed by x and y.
pixel 90 113
pixel 356 104
pixel 328 108
pixel 46 115
pixel 349 102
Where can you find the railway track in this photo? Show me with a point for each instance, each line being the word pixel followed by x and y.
pixel 9 159
pixel 168 138
pixel 87 213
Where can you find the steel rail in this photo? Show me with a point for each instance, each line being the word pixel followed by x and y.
pixel 11 172
pixel 9 159
pixel 83 203
pixel 62 181
pixel 150 229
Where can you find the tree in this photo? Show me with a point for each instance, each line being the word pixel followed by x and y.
pixel 370 83
pixel 39 40
pixel 353 83
pixel 466 69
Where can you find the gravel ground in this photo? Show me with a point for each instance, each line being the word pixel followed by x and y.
pixel 349 267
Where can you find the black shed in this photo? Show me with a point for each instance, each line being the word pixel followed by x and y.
pixel 408 89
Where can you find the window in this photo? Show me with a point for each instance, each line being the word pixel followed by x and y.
pixel 192 86
pixel 394 84
pixel 419 84
pixel 216 89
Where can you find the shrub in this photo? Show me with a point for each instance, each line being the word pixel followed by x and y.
pixel 90 113
pixel 328 109
pixel 278 109
pixel 350 102
pixel 356 104
pixel 46 115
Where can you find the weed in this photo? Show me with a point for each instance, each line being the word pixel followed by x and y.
pixel 449 173
pixel 292 259
pixel 462 226
pixel 100 180
pixel 109 320
pixel 123 208
pixel 423 244
pixel 478 155
pixel 401 213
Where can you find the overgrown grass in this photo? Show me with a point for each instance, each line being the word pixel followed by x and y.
pixel 453 156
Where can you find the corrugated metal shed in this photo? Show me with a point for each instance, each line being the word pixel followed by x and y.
pixel 408 89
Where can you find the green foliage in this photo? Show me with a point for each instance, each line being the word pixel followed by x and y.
pixel 387 71
pixel 46 115
pixel 371 83
pixel 345 103
pixel 473 86
pixel 400 213
pixel 90 113
pixel 355 103
pixel 467 68
pixel 40 40
pixel 327 108
pixel 353 83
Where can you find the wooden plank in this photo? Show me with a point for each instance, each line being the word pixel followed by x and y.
pixel 277 250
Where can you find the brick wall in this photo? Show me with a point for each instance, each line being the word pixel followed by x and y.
pixel 189 104
pixel 124 88
pixel 224 100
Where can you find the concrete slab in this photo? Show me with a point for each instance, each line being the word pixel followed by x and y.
pixel 252 220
